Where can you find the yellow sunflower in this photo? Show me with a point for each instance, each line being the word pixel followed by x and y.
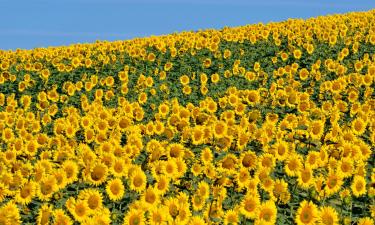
pixel 134 216
pixel 157 215
pixel 267 213
pixel 162 184
pixel 197 135
pixel 98 173
pixel 231 217
pixel 44 214
pixel 197 220
pixel 358 126
pixel 328 216
pixel 138 181
pixel 150 197
pixel 60 217
pixel 307 213
pixel 25 194
pixel 220 129
pixel 115 189
pixel 249 206
pixel 316 129
pixel 305 177
pixel 358 186
pixel 93 198
pixel 334 182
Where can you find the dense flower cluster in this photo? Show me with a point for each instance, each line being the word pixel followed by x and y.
pixel 260 124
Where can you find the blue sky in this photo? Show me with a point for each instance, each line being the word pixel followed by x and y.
pixel 41 23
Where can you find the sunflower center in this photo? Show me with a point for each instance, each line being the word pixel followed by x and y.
pixel 249 206
pixel 306 176
pixel 150 197
pixel 80 210
pixel 137 181
pixel 328 220
pixel 25 192
pixel 359 186
pixel 115 189
pixel 134 220
pixel 305 216
pixel 332 182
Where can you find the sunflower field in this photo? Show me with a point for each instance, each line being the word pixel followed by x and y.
pixel 259 124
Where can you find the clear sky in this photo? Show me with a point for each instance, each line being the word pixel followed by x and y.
pixel 42 23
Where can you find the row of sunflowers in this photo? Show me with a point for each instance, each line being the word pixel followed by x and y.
pixel 259 124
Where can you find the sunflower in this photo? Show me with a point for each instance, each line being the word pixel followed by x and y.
pixel 170 168
pixel 211 106
pixel 25 194
pixel 89 135
pixel 80 210
pixel 207 62
pixel 266 213
pixel 94 198
pixel 168 66
pixel 220 129
pixel 118 168
pixel 267 161
pixel 157 215
pixel 150 197
pixel 316 129
pixel 98 173
pixel 358 126
pixel 198 202
pixel 297 53
pixel 61 218
pixel 184 213
pixel 172 205
pixel 197 135
pixel 9 213
pixel 101 218
pixel 305 177
pixel 249 205
pixel 138 181
pixel 206 155
pixel 345 167
pixel 31 148
pixel 227 53
pixel 162 184
pixel 203 189
pixel 215 78
pixel 71 171
pixel 197 220
pixel 229 162
pixel 249 160
pixel 184 80
pixel 242 178
pixel 366 221
pixel 46 188
pixel 312 159
pixel 8 135
pixel 358 186
pixel 280 190
pixel 282 150
pixel 115 189
pixel 142 98
pixel 231 217
pixel 307 213
pixel 163 109
pixel 328 216
pixel 304 74
pixel 44 214
pixel 334 182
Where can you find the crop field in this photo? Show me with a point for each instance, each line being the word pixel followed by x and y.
pixel 259 124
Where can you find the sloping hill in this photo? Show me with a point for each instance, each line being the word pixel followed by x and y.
pixel 264 124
